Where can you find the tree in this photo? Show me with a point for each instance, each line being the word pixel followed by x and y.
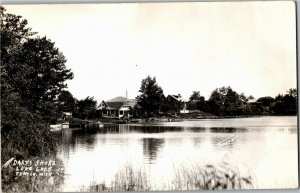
pixel 250 97
pixel 216 102
pixel 14 31
pixel 233 103
pixel 32 76
pixel 151 97
pixel 286 104
pixel 31 66
pixel 86 108
pixel 225 101
pixel 67 103
pixel 43 75
pixel 292 92
pixel 245 99
pixel 195 96
pixel 196 102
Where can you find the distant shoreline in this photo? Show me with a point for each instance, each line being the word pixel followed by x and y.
pixel 175 119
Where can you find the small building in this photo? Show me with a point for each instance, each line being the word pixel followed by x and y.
pixel 117 107
pixel 253 102
pixel 66 116
pixel 177 103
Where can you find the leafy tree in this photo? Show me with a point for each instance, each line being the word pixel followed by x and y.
pixel 197 102
pixel 233 103
pixel 31 66
pixel 67 103
pixel 286 104
pixel 216 102
pixel 225 101
pixel 42 74
pixel 151 97
pixel 279 97
pixel 86 108
pixel 32 76
pixel 195 96
pixel 250 97
pixel 292 92
pixel 14 31
pixel 245 99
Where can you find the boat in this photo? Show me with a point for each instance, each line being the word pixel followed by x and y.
pixel 57 127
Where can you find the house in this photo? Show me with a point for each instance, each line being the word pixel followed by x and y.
pixel 66 116
pixel 253 102
pixel 177 103
pixel 117 107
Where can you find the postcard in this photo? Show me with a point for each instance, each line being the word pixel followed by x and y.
pixel 149 96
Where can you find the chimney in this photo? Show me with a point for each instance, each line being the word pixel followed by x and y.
pixel 126 95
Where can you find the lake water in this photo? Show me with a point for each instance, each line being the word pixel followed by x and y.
pixel 264 146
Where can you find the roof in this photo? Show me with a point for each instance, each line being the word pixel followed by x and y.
pixel 178 98
pixel 252 100
pixel 118 102
pixel 117 99
pixel 114 105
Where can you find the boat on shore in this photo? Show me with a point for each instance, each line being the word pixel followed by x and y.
pixel 57 127
pixel 77 124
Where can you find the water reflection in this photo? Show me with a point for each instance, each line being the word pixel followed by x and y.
pixel 131 128
pixel 73 139
pixel 174 141
pixel 198 141
pixel 114 128
pixel 154 129
pixel 261 144
pixel 151 147
pixel 196 129
pixel 227 130
pixel 88 141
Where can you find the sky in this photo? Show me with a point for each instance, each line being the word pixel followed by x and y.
pixel 195 46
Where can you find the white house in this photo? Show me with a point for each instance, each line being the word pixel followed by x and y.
pixel 117 107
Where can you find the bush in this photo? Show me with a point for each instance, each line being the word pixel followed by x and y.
pixel 23 133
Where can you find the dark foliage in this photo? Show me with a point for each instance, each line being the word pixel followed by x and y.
pixel 286 104
pixel 32 76
pixel 151 98
pixel 86 108
pixel 67 103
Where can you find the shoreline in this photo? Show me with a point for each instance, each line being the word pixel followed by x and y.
pixel 174 119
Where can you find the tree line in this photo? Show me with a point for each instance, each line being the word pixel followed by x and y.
pixel 223 101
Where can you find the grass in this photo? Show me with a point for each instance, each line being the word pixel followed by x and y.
pixel 210 177
pixel 196 177
pixel 129 178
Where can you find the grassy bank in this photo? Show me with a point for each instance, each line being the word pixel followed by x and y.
pixel 196 177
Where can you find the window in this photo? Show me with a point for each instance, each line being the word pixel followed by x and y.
pixel 121 112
